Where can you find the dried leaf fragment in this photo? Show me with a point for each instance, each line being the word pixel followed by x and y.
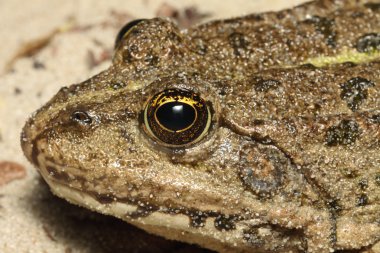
pixel 10 171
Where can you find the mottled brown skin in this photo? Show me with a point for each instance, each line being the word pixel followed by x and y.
pixel 292 158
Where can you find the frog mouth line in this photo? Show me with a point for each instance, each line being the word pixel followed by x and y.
pixel 136 207
pixel 162 221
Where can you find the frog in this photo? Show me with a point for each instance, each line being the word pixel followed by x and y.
pixel 258 133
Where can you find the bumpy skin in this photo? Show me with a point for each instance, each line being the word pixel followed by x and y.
pixel 292 158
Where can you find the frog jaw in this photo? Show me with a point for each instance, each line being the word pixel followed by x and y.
pixel 169 226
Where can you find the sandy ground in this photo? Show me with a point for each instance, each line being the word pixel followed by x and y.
pixel 31 218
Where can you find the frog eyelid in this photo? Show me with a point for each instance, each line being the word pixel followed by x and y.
pixel 125 30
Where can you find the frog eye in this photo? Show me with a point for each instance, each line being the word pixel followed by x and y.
pixel 126 30
pixel 177 117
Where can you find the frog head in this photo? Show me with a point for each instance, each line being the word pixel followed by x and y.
pixel 145 141
pixel 193 146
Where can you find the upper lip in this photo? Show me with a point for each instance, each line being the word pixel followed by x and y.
pixel 29 133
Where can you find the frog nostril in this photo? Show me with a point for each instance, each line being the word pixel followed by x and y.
pixel 81 117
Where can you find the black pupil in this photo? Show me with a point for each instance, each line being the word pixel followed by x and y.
pixel 175 116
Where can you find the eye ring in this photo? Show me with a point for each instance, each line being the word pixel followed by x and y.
pixel 177 117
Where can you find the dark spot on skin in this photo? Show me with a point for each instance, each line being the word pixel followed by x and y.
pixel 377 179
pixel 333 236
pixel 117 85
pixel 375 119
pixel 223 87
pixel 324 26
pixel 225 222
pixel 317 106
pixel 104 198
pixel 266 140
pixel 349 64
pixel 238 42
pixel 373 6
pixel 252 237
pixel 345 133
pixel 277 239
pixel 334 206
pixel 197 219
pixel 368 43
pixel 258 122
pixel 222 92
pixel 143 211
pixel 81 117
pixel 60 176
pixel 151 60
pixel 308 66
pixel 128 58
pixel 362 200
pixel 264 85
pixel 363 184
pixel 354 91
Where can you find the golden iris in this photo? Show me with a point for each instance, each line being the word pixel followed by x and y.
pixel 177 117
